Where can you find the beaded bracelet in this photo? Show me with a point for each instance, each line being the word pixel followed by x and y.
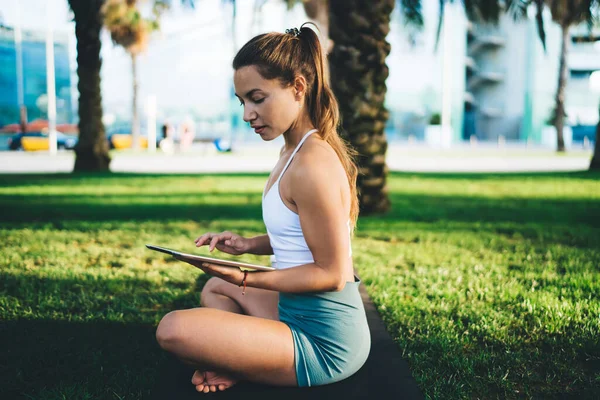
pixel 244 283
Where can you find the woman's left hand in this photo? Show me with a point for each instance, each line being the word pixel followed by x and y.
pixel 231 275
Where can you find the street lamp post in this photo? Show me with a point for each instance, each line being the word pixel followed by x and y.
pixel 594 84
pixel 50 80
pixel 151 122
pixel 446 115
pixel 19 62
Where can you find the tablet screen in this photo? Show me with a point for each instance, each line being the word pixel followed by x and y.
pixel 226 263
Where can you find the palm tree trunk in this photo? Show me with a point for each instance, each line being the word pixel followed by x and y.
pixel 595 164
pixel 91 151
pixel 318 10
pixel 559 121
pixel 135 121
pixel 358 72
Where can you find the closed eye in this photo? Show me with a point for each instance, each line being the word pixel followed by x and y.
pixel 257 101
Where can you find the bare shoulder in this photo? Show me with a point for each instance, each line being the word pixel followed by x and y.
pixel 318 163
pixel 318 153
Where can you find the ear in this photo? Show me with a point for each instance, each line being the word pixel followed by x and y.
pixel 300 87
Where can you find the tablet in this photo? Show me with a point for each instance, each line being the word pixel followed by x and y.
pixel 225 263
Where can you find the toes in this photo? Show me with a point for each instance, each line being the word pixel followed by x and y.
pixel 211 388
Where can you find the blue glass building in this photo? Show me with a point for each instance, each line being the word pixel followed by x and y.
pixel 33 47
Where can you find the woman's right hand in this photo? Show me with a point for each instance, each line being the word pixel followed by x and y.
pixel 226 242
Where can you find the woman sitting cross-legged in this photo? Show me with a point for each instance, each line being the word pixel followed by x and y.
pixel 303 324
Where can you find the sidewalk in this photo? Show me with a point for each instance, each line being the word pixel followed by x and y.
pixel 263 158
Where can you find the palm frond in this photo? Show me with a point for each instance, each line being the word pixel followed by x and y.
pixel 476 10
pixel 539 18
pixel 291 3
pixel 591 8
pixel 438 30
pixel 127 26
pixel 412 12
pixel 517 8
pixel 483 10
pixel 169 3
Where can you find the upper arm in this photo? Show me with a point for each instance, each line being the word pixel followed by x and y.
pixel 317 191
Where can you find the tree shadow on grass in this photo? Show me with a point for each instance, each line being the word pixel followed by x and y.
pixel 19 209
pixel 47 358
pixel 227 205
pixel 77 179
pixel 482 176
pixel 428 208
pixel 200 205
pixel 57 358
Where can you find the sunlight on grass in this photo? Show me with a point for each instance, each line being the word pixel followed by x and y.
pixel 488 283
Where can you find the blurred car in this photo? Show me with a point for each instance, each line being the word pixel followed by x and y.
pixel 582 131
pixel 33 141
pixel 124 141
pixel 119 137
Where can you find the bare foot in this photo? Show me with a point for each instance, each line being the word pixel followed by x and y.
pixel 210 381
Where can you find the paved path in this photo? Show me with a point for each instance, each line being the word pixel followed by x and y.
pixel 262 159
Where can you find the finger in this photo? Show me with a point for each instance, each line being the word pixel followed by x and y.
pixel 224 248
pixel 231 241
pixel 207 237
pixel 222 387
pixel 213 243
pixel 213 388
pixel 200 240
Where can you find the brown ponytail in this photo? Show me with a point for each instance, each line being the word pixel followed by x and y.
pixel 284 57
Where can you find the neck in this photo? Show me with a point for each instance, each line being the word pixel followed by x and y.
pixel 299 128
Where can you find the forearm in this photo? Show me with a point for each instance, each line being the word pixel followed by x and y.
pixel 304 278
pixel 261 246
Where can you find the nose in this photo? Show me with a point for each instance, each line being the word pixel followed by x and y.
pixel 249 113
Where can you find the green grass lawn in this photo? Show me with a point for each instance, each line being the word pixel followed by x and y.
pixel 489 284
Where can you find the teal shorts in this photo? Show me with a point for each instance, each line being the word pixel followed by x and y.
pixel 330 331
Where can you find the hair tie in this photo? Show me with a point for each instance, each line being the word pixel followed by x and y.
pixel 293 31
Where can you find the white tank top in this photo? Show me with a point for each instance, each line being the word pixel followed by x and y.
pixel 283 225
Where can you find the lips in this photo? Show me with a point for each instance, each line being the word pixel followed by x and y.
pixel 259 129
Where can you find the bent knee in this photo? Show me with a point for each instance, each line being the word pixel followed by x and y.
pixel 169 330
pixel 209 288
pixel 175 328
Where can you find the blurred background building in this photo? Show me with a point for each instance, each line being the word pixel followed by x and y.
pixel 33 50
pixel 502 83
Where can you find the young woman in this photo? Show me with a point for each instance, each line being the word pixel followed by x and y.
pixel 303 324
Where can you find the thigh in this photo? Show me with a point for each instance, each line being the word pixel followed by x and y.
pixel 255 349
pixel 256 302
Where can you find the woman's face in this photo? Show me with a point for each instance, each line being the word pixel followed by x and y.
pixel 269 108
